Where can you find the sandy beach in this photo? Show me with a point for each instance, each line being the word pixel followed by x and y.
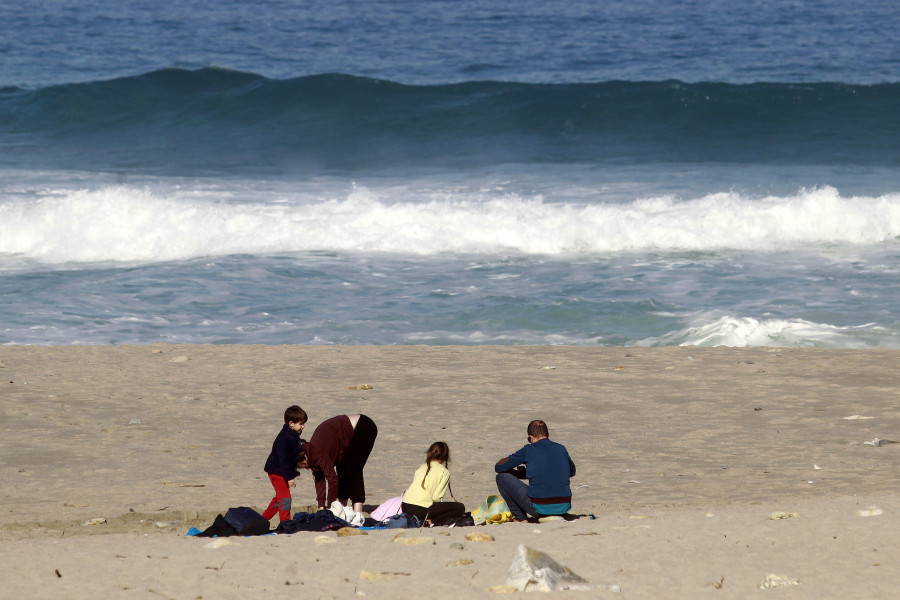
pixel 686 456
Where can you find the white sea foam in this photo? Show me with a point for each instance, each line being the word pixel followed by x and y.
pixel 123 223
pixel 791 333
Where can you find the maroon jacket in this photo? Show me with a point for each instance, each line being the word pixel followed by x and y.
pixel 324 449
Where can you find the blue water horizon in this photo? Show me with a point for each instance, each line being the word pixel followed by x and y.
pixel 618 173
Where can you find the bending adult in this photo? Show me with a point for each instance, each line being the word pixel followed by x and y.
pixel 336 454
pixel 548 468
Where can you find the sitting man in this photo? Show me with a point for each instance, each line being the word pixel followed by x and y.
pixel 547 468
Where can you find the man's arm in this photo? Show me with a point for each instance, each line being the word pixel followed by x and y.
pixel 319 479
pixel 331 477
pixel 505 465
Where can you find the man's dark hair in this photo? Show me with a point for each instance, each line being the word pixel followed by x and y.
pixel 538 428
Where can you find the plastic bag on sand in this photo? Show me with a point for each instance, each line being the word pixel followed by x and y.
pixel 534 571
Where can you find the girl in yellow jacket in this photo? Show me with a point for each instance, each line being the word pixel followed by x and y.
pixel 425 496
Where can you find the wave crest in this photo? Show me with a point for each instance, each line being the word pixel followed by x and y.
pixel 133 224
pixel 216 119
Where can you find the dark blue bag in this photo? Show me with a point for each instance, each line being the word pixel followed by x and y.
pixel 246 521
pixel 402 521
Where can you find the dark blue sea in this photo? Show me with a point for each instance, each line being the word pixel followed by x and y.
pixel 450 172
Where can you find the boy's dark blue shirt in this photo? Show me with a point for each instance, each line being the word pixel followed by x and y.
pixel 283 458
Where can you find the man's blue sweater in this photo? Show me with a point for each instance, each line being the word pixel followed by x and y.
pixel 548 468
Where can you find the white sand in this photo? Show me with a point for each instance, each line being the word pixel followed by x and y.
pixel 682 453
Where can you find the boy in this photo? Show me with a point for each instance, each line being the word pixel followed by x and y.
pixel 282 462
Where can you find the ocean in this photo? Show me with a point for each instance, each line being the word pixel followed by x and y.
pixel 640 173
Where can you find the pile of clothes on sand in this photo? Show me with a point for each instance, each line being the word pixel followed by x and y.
pixel 245 521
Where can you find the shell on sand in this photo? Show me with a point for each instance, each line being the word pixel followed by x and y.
pixel 324 539
pixel 776 581
pixel 413 541
pixel 550 519
pixel 503 589
pixel 219 542
pixel 479 536
pixel 459 562
pixel 872 511
pixel 878 442
pixel 783 515
pixel 349 531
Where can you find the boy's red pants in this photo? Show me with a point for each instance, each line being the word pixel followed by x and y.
pixel 281 503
